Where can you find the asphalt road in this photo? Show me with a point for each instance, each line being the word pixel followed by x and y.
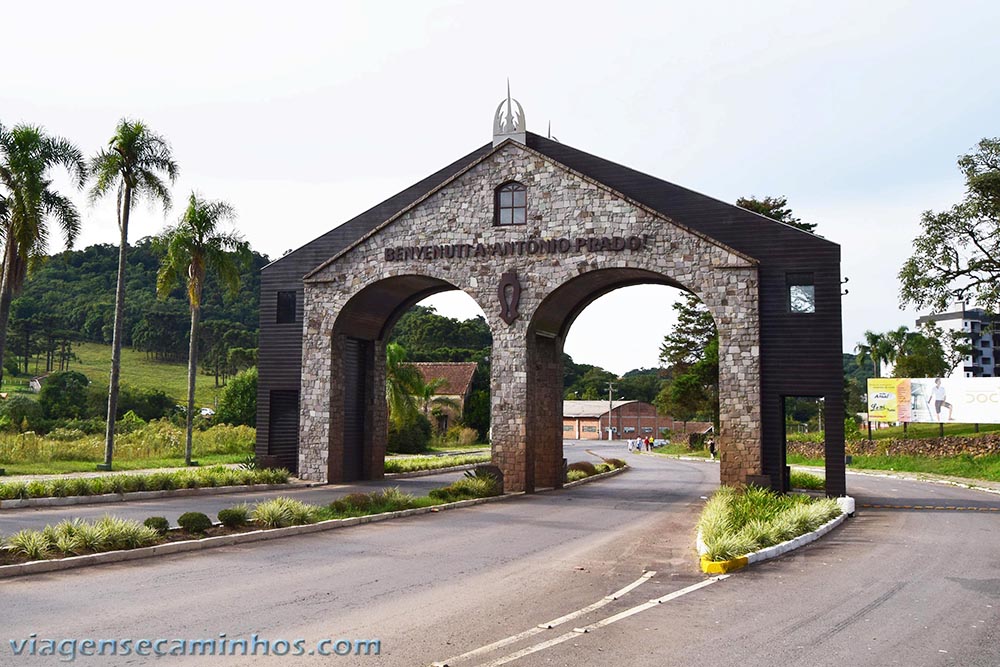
pixel 889 587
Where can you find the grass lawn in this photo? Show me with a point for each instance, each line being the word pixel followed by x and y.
pixel 61 467
pixel 983 467
pixel 137 370
pixel 681 450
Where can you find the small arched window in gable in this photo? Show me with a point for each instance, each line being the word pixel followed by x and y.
pixel 511 204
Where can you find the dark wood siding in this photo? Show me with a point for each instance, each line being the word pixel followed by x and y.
pixel 356 370
pixel 283 406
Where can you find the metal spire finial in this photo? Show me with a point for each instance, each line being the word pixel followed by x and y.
pixel 509 125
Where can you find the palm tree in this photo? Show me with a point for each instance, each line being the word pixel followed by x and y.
pixel 876 348
pixel 426 393
pixel 195 247
pixel 27 201
pixel 401 382
pixel 132 165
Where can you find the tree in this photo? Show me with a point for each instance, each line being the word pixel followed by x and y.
pixel 195 247
pixel 27 202
pixel 401 379
pixel 957 253
pixel 921 357
pixel 238 402
pixel 426 394
pixel 692 333
pixel 876 349
pixel 775 208
pixel 64 395
pixel 691 351
pixel 133 166
pixel 955 345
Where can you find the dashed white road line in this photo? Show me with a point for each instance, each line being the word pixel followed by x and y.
pixel 603 623
pixel 542 627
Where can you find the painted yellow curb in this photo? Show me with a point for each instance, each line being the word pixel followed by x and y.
pixel 723 566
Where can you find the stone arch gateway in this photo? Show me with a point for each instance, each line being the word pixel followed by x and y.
pixel 590 226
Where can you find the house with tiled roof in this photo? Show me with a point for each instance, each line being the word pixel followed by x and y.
pixel 457 386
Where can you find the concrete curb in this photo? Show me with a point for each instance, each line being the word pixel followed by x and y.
pixel 722 566
pixel 16 503
pixel 73 562
pixel 594 478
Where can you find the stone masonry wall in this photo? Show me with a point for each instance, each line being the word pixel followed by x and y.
pixel 561 205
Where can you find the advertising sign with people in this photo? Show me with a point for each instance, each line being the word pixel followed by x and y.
pixel 934 400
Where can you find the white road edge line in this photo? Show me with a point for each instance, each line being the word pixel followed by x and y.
pixel 604 622
pixel 542 627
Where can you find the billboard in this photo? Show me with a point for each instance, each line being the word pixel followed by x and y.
pixel 933 400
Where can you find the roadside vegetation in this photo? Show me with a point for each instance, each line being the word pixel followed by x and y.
pixel 415 463
pixel 583 469
pixel 806 480
pixel 73 538
pixel 79 444
pixel 736 522
pixel 161 481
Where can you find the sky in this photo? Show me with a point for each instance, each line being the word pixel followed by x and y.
pixel 301 115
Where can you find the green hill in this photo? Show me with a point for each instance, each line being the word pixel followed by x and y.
pixel 139 369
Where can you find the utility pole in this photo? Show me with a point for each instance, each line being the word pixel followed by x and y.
pixel 610 407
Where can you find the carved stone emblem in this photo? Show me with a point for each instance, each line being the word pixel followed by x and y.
pixel 509 293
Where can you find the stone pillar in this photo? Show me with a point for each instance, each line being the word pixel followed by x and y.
pixel 544 427
pixel 739 439
pixel 374 465
pixel 320 363
pixel 335 435
pixel 508 408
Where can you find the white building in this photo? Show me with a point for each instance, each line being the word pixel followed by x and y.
pixel 983 330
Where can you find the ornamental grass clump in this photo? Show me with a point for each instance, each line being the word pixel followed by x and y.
pixel 76 537
pixel 467 488
pixel 282 512
pixel 735 523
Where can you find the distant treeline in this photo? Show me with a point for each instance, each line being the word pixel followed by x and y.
pixel 69 297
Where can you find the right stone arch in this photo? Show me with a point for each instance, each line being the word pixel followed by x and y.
pixel 729 291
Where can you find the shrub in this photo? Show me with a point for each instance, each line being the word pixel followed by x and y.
pixel 410 435
pixel 129 423
pixel 64 395
pixel 21 410
pixel 805 480
pixel 66 434
pixel 615 463
pixel 466 488
pixel 236 516
pixel 575 475
pixel 238 401
pixel 583 466
pixel 462 435
pixel 157 523
pixel 194 522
